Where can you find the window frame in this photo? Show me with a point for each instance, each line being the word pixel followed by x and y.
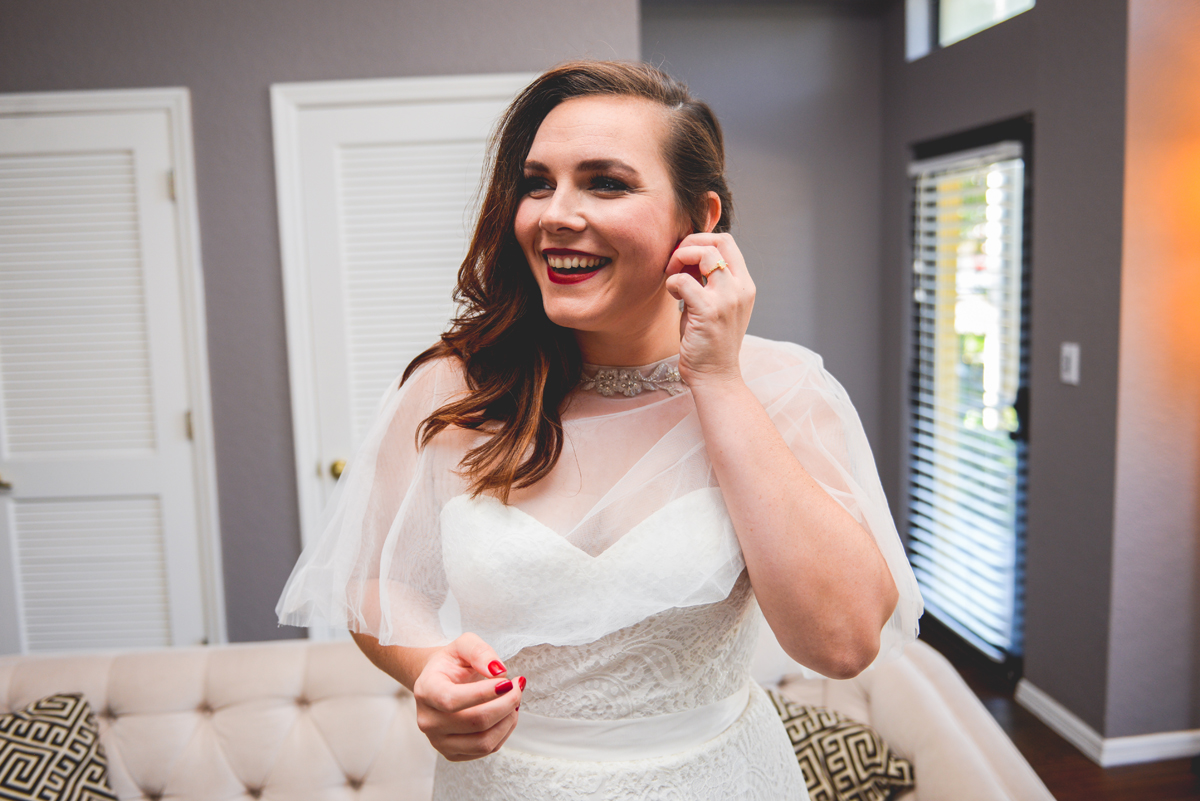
pixel 1019 129
pixel 923 23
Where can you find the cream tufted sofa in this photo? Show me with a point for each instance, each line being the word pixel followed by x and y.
pixel 300 720
pixel 289 720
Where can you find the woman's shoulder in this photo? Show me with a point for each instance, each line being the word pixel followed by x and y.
pixel 445 372
pixel 432 384
pixel 764 356
pixel 774 368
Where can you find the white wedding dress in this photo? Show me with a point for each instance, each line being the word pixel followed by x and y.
pixel 616 585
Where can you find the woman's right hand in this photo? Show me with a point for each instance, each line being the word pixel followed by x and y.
pixel 466 704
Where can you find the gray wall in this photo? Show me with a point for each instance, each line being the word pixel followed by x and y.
pixel 1064 61
pixel 1111 599
pixel 228 54
pixel 1154 676
pixel 797 90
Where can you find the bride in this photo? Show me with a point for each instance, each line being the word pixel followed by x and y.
pixel 562 526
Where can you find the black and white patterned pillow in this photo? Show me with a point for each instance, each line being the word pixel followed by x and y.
pixel 842 760
pixel 50 751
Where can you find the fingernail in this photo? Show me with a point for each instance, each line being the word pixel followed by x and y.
pixel 503 687
pixel 518 709
pixel 521 681
pixel 495 667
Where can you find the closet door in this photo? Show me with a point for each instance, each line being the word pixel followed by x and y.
pixel 100 524
pixel 378 182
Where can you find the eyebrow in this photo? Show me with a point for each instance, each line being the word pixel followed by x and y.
pixel 589 165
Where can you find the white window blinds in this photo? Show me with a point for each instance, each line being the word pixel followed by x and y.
pixel 965 503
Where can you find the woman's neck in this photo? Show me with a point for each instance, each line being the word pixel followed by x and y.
pixel 657 340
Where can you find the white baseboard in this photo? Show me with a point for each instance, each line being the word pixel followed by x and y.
pixel 1106 751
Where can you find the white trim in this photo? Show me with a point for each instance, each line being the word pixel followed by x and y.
pixel 1061 720
pixel 285 120
pixel 169 99
pixel 288 100
pixel 967 158
pixel 1106 752
pixel 176 102
pixel 380 91
pixel 1151 747
pixel 196 338
pixel 918 30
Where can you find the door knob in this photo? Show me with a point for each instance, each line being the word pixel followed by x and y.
pixel 336 468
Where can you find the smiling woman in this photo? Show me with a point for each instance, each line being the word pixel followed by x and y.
pixel 563 525
pixel 598 222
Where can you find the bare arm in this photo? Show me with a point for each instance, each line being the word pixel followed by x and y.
pixel 402 664
pixel 819 577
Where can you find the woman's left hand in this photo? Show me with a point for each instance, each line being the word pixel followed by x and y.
pixel 717 304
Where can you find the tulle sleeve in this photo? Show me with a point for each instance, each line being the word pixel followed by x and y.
pixel 814 415
pixel 407 556
pixel 380 544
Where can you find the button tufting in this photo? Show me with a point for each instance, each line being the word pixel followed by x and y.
pixel 303 702
pixel 354 784
pixel 254 792
pixel 152 796
pixel 204 708
pixel 108 714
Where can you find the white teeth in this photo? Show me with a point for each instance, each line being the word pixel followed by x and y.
pixel 575 262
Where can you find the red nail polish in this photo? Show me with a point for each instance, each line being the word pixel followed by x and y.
pixel 521 681
pixel 518 709
pixel 495 667
pixel 503 687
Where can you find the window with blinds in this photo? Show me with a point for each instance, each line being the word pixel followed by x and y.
pixel 966 448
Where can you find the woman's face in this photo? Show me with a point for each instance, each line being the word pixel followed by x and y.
pixel 598 219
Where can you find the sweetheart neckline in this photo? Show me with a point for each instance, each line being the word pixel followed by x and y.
pixel 708 492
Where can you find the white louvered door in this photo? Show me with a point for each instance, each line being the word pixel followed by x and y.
pixel 378 182
pixel 98 531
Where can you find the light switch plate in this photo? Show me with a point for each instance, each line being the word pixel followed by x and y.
pixel 1068 363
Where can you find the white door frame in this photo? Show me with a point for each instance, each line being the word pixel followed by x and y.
pixel 176 103
pixel 288 101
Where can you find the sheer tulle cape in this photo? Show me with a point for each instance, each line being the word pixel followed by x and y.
pixel 629 523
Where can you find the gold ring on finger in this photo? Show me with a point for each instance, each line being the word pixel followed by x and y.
pixel 720 265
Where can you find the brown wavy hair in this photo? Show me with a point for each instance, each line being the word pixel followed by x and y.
pixel 518 365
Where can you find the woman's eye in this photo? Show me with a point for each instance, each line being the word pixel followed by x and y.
pixel 533 184
pixel 604 183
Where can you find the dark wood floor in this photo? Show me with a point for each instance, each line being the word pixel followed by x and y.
pixel 1068 774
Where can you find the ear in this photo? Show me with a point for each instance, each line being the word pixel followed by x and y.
pixel 713 215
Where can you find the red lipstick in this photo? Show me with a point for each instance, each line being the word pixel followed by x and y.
pixel 561 274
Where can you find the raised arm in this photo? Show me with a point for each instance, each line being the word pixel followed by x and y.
pixel 820 579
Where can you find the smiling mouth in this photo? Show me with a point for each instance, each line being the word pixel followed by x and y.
pixel 571 266
pixel 575 265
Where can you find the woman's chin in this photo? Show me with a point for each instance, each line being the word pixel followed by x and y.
pixel 574 319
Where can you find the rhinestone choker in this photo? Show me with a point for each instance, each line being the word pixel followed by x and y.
pixel 632 381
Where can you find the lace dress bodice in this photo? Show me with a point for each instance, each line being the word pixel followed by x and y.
pixel 675 660
pixel 502 563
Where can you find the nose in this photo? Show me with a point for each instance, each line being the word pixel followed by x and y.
pixel 562 212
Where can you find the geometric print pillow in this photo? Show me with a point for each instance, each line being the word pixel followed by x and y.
pixel 842 760
pixel 50 751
